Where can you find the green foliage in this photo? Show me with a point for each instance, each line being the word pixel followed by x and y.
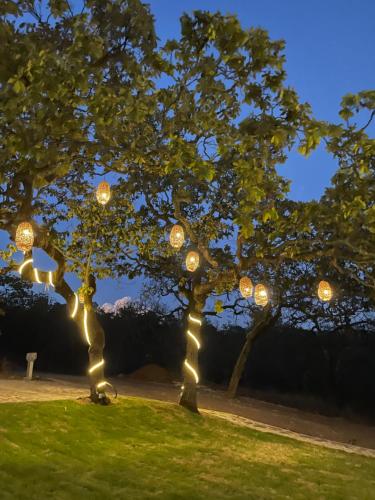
pixel 81 96
pixel 226 119
pixel 219 306
pixel 75 88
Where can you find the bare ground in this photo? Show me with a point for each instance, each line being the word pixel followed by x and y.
pixel 335 432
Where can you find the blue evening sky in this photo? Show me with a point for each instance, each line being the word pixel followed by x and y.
pixel 329 51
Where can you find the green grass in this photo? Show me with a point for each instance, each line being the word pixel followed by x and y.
pixel 138 449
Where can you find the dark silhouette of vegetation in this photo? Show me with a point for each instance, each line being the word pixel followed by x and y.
pixel 327 371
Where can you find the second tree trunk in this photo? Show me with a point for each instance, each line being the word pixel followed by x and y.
pixel 188 397
pixel 263 324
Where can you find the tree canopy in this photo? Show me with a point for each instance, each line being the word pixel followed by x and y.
pixel 190 131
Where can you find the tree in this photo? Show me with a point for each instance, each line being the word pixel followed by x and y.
pixel 69 78
pixel 294 303
pixel 226 119
pixel 326 238
pixel 341 225
pixel 350 200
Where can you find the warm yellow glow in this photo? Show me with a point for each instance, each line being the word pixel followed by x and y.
pixel 95 367
pixel 85 327
pixel 246 287
pixel 191 369
pixel 101 384
pixel 24 237
pixel 36 274
pixel 50 279
pixel 24 264
pixel 195 320
pixel 177 236
pixel 103 193
pixel 81 297
pixel 261 295
pixel 75 308
pixel 194 338
pixel 192 261
pixel 325 291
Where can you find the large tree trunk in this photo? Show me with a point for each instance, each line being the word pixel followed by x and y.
pixel 85 317
pixel 95 338
pixel 188 397
pixel 266 321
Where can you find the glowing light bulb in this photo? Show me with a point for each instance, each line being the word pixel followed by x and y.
pixel 24 237
pixel 192 261
pixel 177 236
pixel 246 287
pixel 261 295
pixel 325 292
pixel 103 193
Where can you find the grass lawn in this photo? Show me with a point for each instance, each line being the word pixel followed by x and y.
pixel 138 449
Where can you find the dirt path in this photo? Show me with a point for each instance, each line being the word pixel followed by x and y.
pixel 334 432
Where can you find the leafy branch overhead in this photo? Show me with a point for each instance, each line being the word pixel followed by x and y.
pixel 192 131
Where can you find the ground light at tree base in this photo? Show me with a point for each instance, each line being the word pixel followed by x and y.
pixel 177 236
pixel 24 237
pixel 246 287
pixel 103 193
pixel 325 291
pixel 192 261
pixel 261 295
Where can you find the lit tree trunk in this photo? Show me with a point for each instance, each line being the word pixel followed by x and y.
pixel 95 338
pixel 94 335
pixel 188 397
pixel 267 320
pixel 85 318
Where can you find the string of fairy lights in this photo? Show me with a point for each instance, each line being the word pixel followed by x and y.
pixel 24 240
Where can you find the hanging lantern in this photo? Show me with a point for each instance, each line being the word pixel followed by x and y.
pixel 81 297
pixel 103 193
pixel 177 236
pixel 325 291
pixel 246 287
pixel 24 237
pixel 261 295
pixel 192 261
